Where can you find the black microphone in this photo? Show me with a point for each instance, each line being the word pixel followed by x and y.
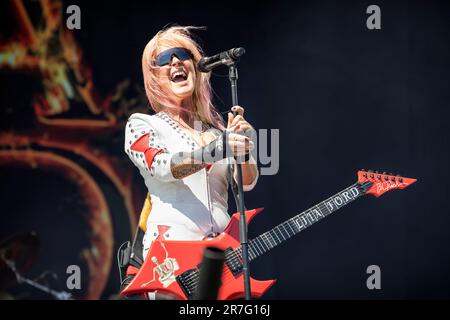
pixel 210 274
pixel 206 64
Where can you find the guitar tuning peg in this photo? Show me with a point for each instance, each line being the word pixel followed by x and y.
pixel 393 179
pixel 370 171
pixel 376 172
pixel 384 172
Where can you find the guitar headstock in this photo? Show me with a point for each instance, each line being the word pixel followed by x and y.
pixel 382 182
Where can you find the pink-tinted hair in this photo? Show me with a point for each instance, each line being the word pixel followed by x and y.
pixel 179 36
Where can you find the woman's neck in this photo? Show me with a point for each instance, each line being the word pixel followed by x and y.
pixel 184 113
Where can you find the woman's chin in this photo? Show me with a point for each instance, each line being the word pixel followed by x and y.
pixel 183 92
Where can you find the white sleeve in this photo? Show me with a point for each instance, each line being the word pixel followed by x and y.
pixel 145 148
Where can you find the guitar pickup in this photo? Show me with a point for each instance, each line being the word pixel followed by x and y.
pixel 188 281
pixel 233 262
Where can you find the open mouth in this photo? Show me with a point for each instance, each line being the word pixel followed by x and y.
pixel 179 76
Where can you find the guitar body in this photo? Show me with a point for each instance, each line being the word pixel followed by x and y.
pixel 168 259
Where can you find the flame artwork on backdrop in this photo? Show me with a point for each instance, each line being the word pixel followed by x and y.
pixel 73 133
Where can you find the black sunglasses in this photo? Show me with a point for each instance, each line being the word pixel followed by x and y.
pixel 165 57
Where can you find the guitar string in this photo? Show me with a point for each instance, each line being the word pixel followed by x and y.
pixel 227 272
pixel 193 278
pixel 321 206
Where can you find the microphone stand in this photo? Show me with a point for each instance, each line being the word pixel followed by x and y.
pixel 233 76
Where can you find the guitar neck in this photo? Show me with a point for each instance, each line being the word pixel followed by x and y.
pixel 287 229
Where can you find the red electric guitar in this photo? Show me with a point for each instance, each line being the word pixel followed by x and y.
pixel 171 267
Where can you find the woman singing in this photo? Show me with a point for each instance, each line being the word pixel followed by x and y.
pixel 182 150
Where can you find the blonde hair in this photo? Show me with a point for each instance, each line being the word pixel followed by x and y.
pixel 179 36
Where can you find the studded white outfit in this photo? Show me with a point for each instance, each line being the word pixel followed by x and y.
pixel 193 207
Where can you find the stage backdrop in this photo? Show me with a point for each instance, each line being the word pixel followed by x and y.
pixel 343 97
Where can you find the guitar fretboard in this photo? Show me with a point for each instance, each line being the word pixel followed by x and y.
pixel 287 229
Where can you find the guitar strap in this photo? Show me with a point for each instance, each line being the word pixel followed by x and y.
pixel 130 254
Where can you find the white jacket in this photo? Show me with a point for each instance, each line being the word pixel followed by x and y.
pixel 191 208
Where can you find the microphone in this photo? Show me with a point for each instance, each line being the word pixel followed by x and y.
pixel 210 274
pixel 206 64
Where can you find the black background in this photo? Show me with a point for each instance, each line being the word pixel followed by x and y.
pixel 344 98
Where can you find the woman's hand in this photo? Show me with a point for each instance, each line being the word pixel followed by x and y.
pixel 237 127
pixel 241 128
pixel 238 120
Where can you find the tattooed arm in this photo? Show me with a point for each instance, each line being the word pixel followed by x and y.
pixel 227 144
pixel 149 153
pixel 183 168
